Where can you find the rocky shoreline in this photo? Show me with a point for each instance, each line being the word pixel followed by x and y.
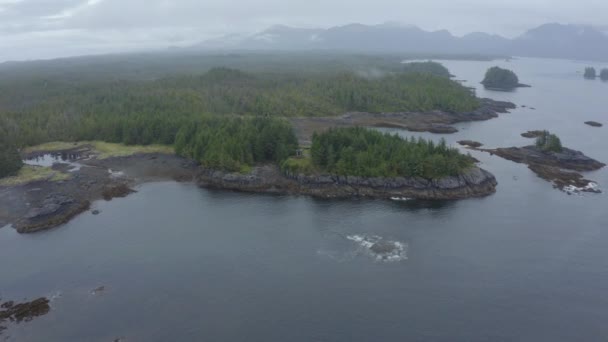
pixel 438 122
pixel 45 204
pixel 269 179
pixel 560 168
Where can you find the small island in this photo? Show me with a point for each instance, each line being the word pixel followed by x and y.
pixel 501 79
pixel 593 124
pixel 553 162
pixel 590 73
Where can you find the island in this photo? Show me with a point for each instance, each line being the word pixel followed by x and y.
pixel 590 73
pixel 497 78
pixel 555 163
pixel 245 130
pixel 604 74
pixel 593 124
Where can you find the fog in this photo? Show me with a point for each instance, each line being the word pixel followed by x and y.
pixel 37 29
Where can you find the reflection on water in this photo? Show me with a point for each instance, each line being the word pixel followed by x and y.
pixel 50 159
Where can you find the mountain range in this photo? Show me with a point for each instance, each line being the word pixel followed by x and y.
pixel 549 41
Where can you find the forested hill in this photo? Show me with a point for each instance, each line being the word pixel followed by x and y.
pixel 39 109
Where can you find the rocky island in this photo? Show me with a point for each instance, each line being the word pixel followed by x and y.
pixel 593 124
pixel 554 163
pixel 497 78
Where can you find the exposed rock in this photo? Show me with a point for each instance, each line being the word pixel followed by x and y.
pixel 470 143
pixel 434 121
pixel 532 134
pixel 95 212
pixel 116 191
pixel 98 291
pixel 56 209
pixel 24 312
pixel 555 167
pixel 562 179
pixel 269 179
pixel 593 124
pixel 383 247
pixel 567 159
pixel 432 128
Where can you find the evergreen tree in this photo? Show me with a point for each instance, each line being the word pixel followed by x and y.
pixel 549 142
pixel 500 79
pixel 590 73
pixel 10 160
pixel 604 74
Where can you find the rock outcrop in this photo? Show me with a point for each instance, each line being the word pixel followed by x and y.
pixel 560 168
pixel 269 179
pixel 593 124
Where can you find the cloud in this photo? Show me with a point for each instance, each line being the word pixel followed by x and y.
pixel 156 22
pixel 72 11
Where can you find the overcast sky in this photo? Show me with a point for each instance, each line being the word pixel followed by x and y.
pixel 34 29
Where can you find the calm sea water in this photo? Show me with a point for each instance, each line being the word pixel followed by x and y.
pixel 181 263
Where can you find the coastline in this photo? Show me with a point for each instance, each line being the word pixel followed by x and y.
pixel 45 204
pixel 438 122
pixel 475 182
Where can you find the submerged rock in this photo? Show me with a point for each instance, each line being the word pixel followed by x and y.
pixel 380 249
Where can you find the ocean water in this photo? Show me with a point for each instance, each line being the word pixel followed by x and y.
pixel 180 263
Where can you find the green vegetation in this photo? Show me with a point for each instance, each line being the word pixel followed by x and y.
pixel 152 112
pixel 499 78
pixel 29 173
pixel 604 74
pixel 590 73
pixel 102 149
pixel 224 117
pixel 369 153
pixel 10 160
pixel 549 142
pixel 429 67
pixel 236 143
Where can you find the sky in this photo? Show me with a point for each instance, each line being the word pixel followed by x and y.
pixel 41 29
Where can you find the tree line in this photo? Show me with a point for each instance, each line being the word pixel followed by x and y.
pixel 236 143
pixel 368 153
pixel 34 111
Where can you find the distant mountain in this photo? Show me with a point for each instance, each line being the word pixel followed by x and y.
pixel 564 41
pixel 550 40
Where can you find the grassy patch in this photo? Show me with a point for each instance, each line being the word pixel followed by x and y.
pixel 107 150
pixel 29 173
pixel 102 149
pixel 296 165
pixel 54 146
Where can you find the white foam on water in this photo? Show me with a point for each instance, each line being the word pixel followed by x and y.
pixel 401 199
pixel 397 253
pixel 591 187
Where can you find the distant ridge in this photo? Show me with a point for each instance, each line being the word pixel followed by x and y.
pixel 549 40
